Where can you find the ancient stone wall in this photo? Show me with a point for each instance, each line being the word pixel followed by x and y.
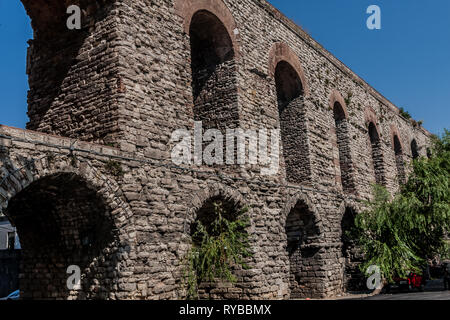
pixel 73 76
pixel 68 210
pixel 141 70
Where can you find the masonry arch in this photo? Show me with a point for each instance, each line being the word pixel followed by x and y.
pixel 341 140
pixel 203 212
pixel 186 9
pixel 352 277
pixel 415 149
pixel 279 52
pixel 290 91
pixel 304 232
pixel 214 49
pixel 398 152
pixel 65 216
pixel 377 154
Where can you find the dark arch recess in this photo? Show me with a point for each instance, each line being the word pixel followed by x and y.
pixel 343 144
pixel 214 72
pixel 289 85
pixel 303 234
pixel 399 160
pixel 414 149
pixel 292 115
pixel 206 215
pixel 377 154
pixel 62 221
pixel 353 278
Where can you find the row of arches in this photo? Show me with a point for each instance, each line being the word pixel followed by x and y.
pixel 64 219
pixel 214 40
pixel 397 146
pixel 305 252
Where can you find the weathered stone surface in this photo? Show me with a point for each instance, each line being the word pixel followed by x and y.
pixel 137 71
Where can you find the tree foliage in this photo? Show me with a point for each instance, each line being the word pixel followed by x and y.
pixel 217 248
pixel 400 234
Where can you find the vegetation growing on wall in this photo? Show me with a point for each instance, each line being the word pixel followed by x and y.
pixel 216 250
pixel 404 113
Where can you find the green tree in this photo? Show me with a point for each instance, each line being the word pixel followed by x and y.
pixel 399 234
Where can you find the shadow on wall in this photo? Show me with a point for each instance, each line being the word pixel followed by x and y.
pixel 377 155
pixel 55 57
pixel 62 221
pixel 214 72
pixel 353 278
pixel 207 216
pixel 292 122
pixel 302 248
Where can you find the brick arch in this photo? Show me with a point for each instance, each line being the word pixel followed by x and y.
pixel 340 139
pixel 375 141
pixel 279 52
pixel 370 116
pixel 186 9
pixel 20 179
pixel 336 96
pixel 305 198
pixel 396 132
pixel 197 200
pixel 201 212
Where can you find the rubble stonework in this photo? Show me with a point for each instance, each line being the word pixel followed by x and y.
pixel 93 184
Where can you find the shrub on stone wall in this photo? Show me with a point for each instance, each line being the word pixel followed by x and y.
pixel 216 249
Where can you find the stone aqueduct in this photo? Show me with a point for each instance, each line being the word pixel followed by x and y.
pixel 90 181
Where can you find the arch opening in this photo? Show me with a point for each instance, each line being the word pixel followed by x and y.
pixel 214 72
pixel 343 144
pixel 399 160
pixel 303 235
pixel 292 116
pixel 63 221
pixel 353 278
pixel 377 155
pixel 207 216
pixel 415 150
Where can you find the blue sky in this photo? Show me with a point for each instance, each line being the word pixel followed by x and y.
pixel 408 60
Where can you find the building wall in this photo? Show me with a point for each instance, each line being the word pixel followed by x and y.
pixel 9 271
pixel 131 84
pixel 6 230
